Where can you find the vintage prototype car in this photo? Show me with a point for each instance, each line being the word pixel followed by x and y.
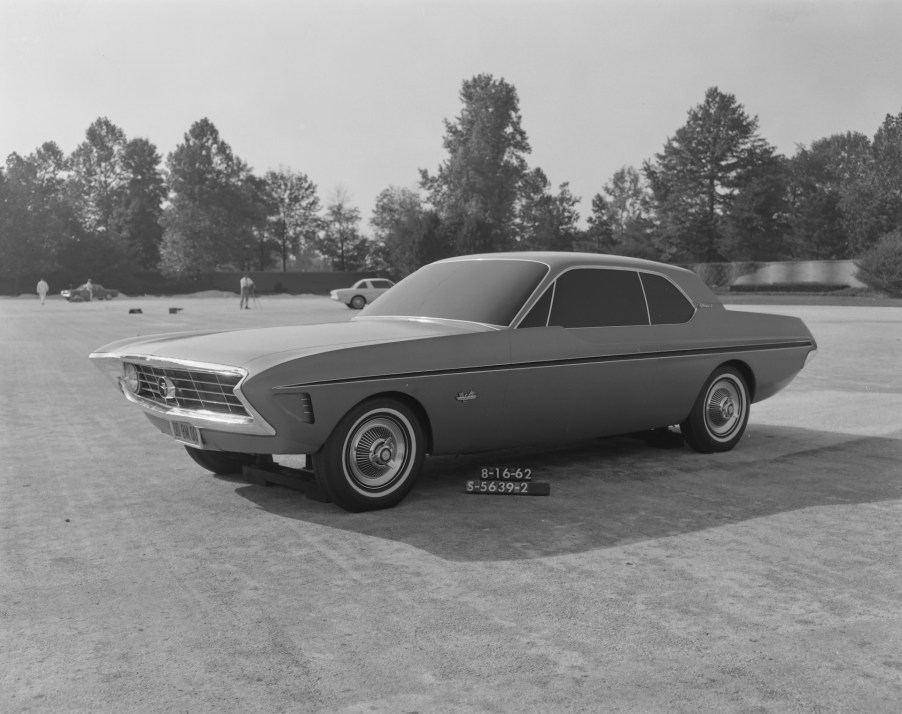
pixel 84 293
pixel 465 355
pixel 362 292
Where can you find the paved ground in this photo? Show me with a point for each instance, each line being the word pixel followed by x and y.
pixel 763 580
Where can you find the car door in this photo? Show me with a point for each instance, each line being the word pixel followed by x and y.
pixel 583 360
pixel 679 371
pixel 369 291
pixel 376 288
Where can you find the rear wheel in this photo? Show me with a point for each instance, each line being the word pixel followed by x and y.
pixel 373 456
pixel 358 301
pixel 720 413
pixel 221 462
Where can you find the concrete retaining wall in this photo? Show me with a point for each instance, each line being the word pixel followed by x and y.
pixel 838 273
pixel 787 274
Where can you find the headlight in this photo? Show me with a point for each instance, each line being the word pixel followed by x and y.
pixel 132 383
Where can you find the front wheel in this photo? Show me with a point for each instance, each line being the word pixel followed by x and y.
pixel 720 414
pixel 373 456
pixel 221 462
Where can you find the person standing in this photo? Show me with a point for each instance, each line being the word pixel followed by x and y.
pixel 89 286
pixel 43 288
pixel 247 292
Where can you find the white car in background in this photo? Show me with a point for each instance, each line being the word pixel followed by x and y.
pixel 362 292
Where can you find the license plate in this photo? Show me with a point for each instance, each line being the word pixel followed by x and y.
pixel 508 488
pixel 185 432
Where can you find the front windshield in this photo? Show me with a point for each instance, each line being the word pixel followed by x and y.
pixel 485 290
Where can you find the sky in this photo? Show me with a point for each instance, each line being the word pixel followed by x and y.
pixel 354 93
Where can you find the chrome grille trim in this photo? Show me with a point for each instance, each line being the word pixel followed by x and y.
pixel 244 420
pixel 195 390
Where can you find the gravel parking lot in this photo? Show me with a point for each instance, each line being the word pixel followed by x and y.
pixel 767 579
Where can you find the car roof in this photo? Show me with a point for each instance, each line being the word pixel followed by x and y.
pixel 561 259
pixel 558 261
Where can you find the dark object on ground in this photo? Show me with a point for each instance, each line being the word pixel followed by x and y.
pixel 661 438
pixel 175 310
pixel 272 474
pixel 135 311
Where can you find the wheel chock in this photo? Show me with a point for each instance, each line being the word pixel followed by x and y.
pixel 302 480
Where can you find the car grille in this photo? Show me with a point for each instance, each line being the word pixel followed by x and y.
pixel 197 390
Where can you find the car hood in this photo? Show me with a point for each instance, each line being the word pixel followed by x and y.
pixel 268 345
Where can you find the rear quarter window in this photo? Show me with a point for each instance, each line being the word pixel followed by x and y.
pixel 666 304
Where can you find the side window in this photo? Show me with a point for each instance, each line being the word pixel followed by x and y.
pixel 538 315
pixel 381 284
pixel 593 297
pixel 666 304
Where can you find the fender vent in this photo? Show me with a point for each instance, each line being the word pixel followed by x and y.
pixel 306 411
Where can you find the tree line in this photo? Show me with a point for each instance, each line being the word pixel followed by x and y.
pixel 717 191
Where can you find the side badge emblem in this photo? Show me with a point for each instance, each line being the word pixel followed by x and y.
pixel 466 396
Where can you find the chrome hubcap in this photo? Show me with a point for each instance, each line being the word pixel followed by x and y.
pixel 724 408
pixel 727 409
pixel 384 456
pixel 376 452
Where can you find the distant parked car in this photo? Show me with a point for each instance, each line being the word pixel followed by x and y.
pixel 83 293
pixel 362 292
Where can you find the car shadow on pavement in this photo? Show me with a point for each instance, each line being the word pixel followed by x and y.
pixel 613 492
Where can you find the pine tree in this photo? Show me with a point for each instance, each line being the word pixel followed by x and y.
pixel 476 188
pixel 700 173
